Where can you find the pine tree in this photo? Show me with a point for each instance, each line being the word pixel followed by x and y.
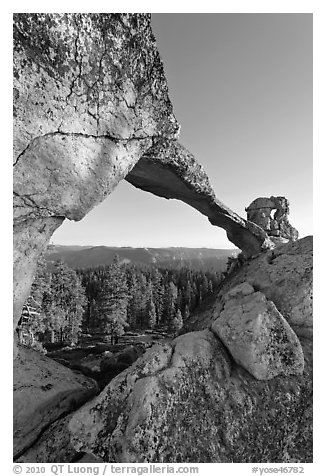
pixel 113 300
pixel 151 314
pixel 39 299
pixel 68 300
pixel 186 314
pixel 176 323
pixel 158 294
pixel 170 299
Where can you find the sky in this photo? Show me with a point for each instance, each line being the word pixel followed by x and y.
pixel 241 88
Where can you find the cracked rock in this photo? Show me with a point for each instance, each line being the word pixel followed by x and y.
pixel 257 335
pixel 186 401
pixel 43 391
pixel 90 96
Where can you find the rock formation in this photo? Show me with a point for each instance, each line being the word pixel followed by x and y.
pixel 284 276
pixel 169 170
pixel 43 392
pixel 230 414
pixel 195 400
pixel 190 402
pixel 92 108
pixel 90 98
pixel 271 214
pixel 257 335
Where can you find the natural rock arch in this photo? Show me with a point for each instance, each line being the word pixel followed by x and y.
pixel 91 107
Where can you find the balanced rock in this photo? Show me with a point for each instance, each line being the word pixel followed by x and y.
pixel 257 335
pixel 43 392
pixel 271 214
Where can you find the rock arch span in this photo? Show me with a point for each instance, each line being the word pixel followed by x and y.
pixel 91 108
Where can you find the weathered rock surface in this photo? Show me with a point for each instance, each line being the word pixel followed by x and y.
pixel 257 335
pixel 271 214
pixel 91 100
pixel 284 276
pixel 53 445
pixel 43 391
pixel 104 367
pixel 90 96
pixel 189 402
pixel 169 170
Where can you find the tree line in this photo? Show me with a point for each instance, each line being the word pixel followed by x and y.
pixel 114 298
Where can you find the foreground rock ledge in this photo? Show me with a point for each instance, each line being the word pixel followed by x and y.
pixel 43 392
pixel 188 402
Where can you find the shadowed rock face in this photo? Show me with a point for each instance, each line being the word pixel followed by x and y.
pixel 43 392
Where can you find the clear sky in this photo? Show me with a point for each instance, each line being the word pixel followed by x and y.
pixel 241 87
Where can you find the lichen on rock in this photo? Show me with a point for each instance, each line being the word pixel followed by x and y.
pixel 284 276
pixel 197 405
pixel 90 96
pixel 91 108
pixel 257 335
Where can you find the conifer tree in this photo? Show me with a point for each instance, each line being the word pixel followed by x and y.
pixel 68 300
pixel 113 300
pixel 170 299
pixel 176 323
pixel 151 314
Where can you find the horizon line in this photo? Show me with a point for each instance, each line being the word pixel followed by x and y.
pixel 143 247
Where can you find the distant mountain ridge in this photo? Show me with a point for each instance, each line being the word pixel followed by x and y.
pixel 79 257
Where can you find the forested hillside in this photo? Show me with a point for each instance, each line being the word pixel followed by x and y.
pixel 113 299
pixel 82 257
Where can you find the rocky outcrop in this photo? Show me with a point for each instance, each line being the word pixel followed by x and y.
pixel 193 400
pixel 52 446
pixel 91 107
pixel 90 96
pixel 199 398
pixel 188 401
pixel 43 392
pixel 284 276
pixel 257 335
pixel 271 214
pixel 169 170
